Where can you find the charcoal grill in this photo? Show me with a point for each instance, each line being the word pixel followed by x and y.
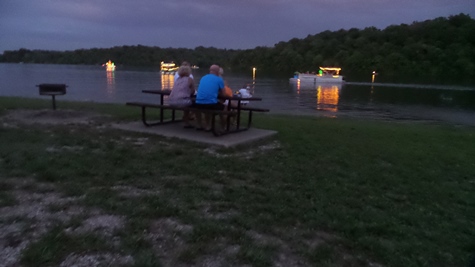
pixel 52 90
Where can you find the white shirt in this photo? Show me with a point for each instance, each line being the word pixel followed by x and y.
pixel 176 76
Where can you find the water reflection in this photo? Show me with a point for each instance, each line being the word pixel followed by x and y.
pixel 167 80
pixel 253 80
pixel 110 82
pixel 327 95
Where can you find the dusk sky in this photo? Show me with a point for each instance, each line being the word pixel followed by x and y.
pixel 234 24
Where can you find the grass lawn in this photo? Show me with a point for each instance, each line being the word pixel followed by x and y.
pixel 323 192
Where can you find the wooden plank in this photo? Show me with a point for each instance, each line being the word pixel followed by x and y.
pixel 254 109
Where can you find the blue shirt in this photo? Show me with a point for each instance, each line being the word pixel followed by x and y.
pixel 208 89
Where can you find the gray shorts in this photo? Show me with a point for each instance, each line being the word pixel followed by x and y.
pixel 180 102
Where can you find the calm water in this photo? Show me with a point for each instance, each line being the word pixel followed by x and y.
pixel 381 101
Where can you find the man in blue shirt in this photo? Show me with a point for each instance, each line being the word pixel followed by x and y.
pixel 207 96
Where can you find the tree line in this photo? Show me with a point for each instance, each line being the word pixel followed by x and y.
pixel 438 50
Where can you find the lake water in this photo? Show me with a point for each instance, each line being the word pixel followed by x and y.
pixel 452 104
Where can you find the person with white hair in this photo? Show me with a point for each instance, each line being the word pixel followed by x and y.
pixel 183 64
pixel 183 89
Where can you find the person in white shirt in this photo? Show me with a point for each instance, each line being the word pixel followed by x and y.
pixel 245 92
pixel 184 64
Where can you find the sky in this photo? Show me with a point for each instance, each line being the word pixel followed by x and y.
pixel 62 25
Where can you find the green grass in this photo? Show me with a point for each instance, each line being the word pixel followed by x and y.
pixel 398 194
pixel 55 245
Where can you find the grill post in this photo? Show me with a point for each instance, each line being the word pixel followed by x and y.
pixel 54 102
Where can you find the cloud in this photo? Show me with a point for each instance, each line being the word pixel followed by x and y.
pixel 72 24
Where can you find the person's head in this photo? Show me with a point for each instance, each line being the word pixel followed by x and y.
pixel 221 72
pixel 185 63
pixel 184 71
pixel 214 69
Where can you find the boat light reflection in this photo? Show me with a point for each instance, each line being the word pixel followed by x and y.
pixel 327 97
pixel 110 82
pixel 168 79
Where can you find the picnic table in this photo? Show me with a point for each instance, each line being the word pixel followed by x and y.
pixel 236 111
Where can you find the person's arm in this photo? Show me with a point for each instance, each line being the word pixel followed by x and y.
pixel 221 84
pixel 191 85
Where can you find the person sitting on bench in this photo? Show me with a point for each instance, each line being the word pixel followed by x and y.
pixel 183 89
pixel 207 97
pixel 177 75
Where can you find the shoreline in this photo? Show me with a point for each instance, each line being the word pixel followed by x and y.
pixel 387 114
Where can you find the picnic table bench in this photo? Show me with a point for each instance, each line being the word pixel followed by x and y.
pixel 230 111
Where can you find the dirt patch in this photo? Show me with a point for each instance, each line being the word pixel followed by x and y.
pixel 37 209
pixel 101 224
pixel 131 192
pixel 167 237
pixel 104 259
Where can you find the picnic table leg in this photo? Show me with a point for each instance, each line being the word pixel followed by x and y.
pixel 228 117
pixel 199 124
pixel 213 121
pixel 228 122
pixel 249 120
pixel 161 115
pixel 238 119
pixel 144 120
pixel 161 110
pixel 217 130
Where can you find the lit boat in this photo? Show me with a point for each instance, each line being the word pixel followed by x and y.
pixel 168 68
pixel 110 66
pixel 325 75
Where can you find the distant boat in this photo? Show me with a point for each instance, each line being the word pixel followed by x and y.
pixel 110 66
pixel 325 75
pixel 168 68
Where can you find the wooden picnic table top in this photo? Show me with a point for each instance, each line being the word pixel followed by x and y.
pixel 234 97
pixel 158 92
